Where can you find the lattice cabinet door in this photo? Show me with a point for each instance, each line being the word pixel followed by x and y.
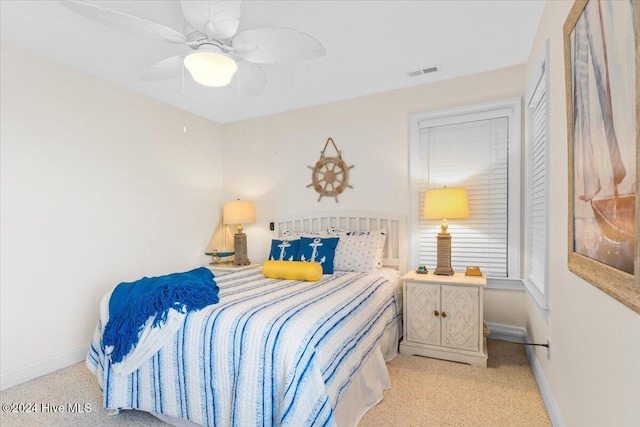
pixel 460 317
pixel 423 300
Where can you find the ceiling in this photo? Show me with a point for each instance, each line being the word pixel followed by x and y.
pixel 370 45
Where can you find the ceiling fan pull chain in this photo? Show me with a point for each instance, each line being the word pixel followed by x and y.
pixel 184 106
pixel 238 74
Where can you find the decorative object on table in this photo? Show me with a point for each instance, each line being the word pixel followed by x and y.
pixel 422 269
pixel 473 270
pixel 445 203
pixel 239 212
pixel 330 175
pixel 603 102
pixel 220 247
pixel 218 51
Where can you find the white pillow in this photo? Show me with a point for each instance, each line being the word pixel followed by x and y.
pixel 334 231
pixel 295 235
pixel 361 253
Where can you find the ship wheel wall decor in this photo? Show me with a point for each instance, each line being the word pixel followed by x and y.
pixel 330 175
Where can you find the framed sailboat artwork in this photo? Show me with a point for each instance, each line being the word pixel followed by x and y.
pixel 602 69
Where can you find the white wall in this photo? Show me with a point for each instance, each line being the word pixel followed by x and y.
pixel 266 158
pixel 594 371
pixel 99 185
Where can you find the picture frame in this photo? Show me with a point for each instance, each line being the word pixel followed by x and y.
pixel 602 75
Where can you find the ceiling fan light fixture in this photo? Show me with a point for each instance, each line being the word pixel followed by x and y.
pixel 211 68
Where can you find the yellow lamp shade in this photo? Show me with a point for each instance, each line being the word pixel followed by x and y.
pixel 238 212
pixel 446 203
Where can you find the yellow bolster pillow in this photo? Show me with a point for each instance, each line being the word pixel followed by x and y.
pixel 292 270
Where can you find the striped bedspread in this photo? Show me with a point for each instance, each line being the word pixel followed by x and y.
pixel 272 352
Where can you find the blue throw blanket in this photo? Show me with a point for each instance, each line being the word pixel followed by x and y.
pixel 132 303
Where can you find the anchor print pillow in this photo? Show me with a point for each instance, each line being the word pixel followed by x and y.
pixel 317 249
pixel 284 250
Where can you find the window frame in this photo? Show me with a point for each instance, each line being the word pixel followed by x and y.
pixel 540 75
pixel 508 107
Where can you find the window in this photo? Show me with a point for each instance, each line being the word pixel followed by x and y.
pixel 535 194
pixel 477 148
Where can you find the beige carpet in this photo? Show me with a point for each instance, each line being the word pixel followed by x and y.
pixel 425 392
pixel 430 392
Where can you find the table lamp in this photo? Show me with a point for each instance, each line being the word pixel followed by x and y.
pixel 239 212
pixel 445 203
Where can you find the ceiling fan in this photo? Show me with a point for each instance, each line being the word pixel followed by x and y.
pixel 218 50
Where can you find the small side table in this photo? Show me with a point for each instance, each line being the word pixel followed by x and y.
pixel 443 317
pixel 229 267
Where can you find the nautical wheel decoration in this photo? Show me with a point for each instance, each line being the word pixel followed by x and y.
pixel 330 175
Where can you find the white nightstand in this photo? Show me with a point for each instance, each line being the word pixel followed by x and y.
pixel 228 267
pixel 443 317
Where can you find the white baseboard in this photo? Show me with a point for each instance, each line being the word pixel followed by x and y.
pixel 519 335
pixel 545 391
pixel 499 331
pixel 13 377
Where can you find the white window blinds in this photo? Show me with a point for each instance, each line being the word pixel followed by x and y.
pixel 536 185
pixel 474 155
pixel 536 193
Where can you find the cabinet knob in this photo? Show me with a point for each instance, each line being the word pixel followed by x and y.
pixel 444 314
pixel 436 313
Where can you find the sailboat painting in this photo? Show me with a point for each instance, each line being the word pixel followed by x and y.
pixel 602 93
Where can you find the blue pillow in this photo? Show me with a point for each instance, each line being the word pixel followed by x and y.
pixel 317 249
pixel 284 250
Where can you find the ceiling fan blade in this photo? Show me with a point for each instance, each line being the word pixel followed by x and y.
pixel 273 45
pixel 253 79
pixel 124 22
pixel 217 19
pixel 165 69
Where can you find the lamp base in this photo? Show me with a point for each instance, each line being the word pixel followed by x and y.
pixel 240 245
pixel 443 271
pixel 443 267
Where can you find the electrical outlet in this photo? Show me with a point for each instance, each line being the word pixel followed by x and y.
pixel 548 349
pixel 272 226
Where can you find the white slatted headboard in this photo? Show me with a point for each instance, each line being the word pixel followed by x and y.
pixel 395 251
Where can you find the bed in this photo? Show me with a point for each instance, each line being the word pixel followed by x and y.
pixel 274 352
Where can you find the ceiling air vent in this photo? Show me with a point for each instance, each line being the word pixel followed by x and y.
pixel 422 71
